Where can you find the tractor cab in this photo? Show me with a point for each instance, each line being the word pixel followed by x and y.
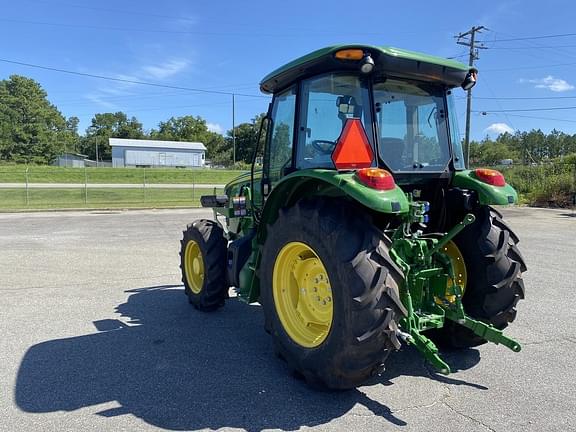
pixel 400 102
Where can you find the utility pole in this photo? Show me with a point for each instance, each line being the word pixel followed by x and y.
pixel 469 39
pixel 96 143
pixel 233 129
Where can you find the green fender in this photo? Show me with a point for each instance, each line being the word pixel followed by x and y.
pixel 329 183
pixel 487 194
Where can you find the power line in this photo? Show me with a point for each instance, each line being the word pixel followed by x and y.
pixel 517 68
pixel 129 96
pixel 541 118
pixel 537 47
pixel 526 110
pixel 532 37
pixel 115 11
pixel 499 105
pixel 526 98
pixel 129 81
pixel 297 34
pixel 532 47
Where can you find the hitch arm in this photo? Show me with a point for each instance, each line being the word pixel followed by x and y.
pixel 485 331
pixel 468 219
pixel 430 351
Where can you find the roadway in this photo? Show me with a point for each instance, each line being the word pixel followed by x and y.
pixel 97 335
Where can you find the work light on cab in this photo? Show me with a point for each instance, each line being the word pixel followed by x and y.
pixel 490 176
pixel 367 63
pixel 376 178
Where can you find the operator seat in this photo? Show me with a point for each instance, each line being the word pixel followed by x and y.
pixel 392 150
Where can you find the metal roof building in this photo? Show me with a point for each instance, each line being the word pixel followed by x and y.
pixel 152 153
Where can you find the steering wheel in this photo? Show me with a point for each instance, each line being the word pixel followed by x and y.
pixel 323 146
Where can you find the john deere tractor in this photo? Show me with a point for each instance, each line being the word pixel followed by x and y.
pixel 363 230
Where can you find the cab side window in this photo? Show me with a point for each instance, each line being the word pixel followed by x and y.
pixel 279 152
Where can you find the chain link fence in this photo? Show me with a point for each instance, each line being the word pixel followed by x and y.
pixel 43 188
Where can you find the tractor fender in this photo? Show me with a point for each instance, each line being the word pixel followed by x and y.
pixel 487 194
pixel 305 183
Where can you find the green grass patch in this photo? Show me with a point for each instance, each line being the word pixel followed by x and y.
pixel 16 199
pixel 551 185
pixel 50 174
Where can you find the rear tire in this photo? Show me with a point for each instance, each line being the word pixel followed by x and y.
pixel 364 285
pixel 203 264
pixel 495 286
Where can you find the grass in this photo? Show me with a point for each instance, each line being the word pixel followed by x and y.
pixel 50 174
pixel 38 199
pixel 552 185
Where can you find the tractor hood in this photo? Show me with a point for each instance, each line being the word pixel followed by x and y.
pixel 387 61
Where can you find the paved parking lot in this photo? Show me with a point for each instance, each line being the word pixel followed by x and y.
pixel 96 335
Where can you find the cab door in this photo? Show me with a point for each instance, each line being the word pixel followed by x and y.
pixel 280 139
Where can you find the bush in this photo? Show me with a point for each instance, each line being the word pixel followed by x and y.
pixel 550 185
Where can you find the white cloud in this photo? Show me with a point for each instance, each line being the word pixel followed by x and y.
pixel 498 129
pixel 214 127
pixel 101 102
pixel 166 69
pixel 551 83
pixel 118 90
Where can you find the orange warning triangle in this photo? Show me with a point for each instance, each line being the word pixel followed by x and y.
pixel 353 150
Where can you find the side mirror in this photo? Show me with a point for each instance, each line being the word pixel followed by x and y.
pixel 470 80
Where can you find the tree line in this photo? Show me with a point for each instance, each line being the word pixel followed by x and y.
pixel 523 148
pixel 33 130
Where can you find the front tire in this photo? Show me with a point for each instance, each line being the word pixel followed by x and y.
pixel 203 264
pixel 333 247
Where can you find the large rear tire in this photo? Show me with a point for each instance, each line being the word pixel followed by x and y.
pixel 203 264
pixel 330 248
pixel 494 287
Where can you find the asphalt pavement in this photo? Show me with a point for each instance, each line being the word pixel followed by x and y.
pixel 97 335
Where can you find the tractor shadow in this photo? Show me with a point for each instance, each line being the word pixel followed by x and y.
pixel 180 369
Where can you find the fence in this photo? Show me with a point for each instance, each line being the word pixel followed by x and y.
pixel 36 187
pixel 43 187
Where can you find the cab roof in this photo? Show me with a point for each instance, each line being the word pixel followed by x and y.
pixel 388 61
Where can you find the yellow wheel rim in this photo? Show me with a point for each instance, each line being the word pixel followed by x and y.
pixel 302 294
pixel 194 266
pixel 459 267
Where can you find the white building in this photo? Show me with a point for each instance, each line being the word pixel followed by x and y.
pixel 70 160
pixel 152 153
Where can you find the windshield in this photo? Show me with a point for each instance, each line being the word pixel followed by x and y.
pixel 412 126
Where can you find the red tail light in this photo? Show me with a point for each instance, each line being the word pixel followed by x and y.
pixel 376 178
pixel 490 176
pixel 353 150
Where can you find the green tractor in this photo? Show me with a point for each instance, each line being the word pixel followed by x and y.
pixel 363 230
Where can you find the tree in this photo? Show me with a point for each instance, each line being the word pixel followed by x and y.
pixel 185 128
pixel 109 125
pixel 194 129
pixel 31 128
pixel 246 136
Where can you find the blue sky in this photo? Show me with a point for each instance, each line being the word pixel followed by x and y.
pixel 229 46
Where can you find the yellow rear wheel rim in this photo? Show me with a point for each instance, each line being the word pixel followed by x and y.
pixel 194 266
pixel 302 294
pixel 459 266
